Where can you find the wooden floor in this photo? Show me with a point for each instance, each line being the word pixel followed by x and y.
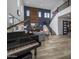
pixel 55 47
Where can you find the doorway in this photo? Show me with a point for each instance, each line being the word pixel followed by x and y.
pixel 66 27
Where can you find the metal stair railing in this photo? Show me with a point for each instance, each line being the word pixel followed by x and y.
pixel 15 22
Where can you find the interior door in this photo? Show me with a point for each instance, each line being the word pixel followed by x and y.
pixel 65 28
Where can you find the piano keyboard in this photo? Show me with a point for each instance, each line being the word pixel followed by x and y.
pixel 19 49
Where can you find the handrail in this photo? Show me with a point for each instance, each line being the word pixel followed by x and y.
pixel 13 21
pixel 17 24
pixel 14 16
pixel 64 5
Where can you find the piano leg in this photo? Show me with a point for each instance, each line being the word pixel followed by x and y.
pixel 35 53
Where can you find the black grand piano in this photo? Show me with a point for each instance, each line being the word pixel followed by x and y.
pixel 20 44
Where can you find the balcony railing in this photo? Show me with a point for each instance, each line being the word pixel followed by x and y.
pixel 60 8
pixel 13 22
pixel 64 5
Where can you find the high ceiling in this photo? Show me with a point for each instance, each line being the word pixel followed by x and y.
pixel 46 4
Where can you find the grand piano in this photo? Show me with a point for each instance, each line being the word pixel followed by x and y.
pixel 20 44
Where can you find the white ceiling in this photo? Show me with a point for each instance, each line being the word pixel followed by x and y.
pixel 46 4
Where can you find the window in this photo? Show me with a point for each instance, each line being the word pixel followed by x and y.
pixel 46 15
pixel 39 14
pixel 28 12
pixel 10 19
pixel 16 21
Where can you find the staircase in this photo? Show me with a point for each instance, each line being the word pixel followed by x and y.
pixel 50 29
pixel 48 25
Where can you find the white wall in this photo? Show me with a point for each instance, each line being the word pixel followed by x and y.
pixel 12 7
pixel 54 23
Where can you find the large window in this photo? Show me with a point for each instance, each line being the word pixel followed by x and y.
pixel 39 14
pixel 10 20
pixel 27 12
pixel 46 15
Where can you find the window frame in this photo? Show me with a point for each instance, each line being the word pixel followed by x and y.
pixel 46 15
pixel 27 13
pixel 39 14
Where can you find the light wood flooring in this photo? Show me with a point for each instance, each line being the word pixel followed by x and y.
pixel 55 47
